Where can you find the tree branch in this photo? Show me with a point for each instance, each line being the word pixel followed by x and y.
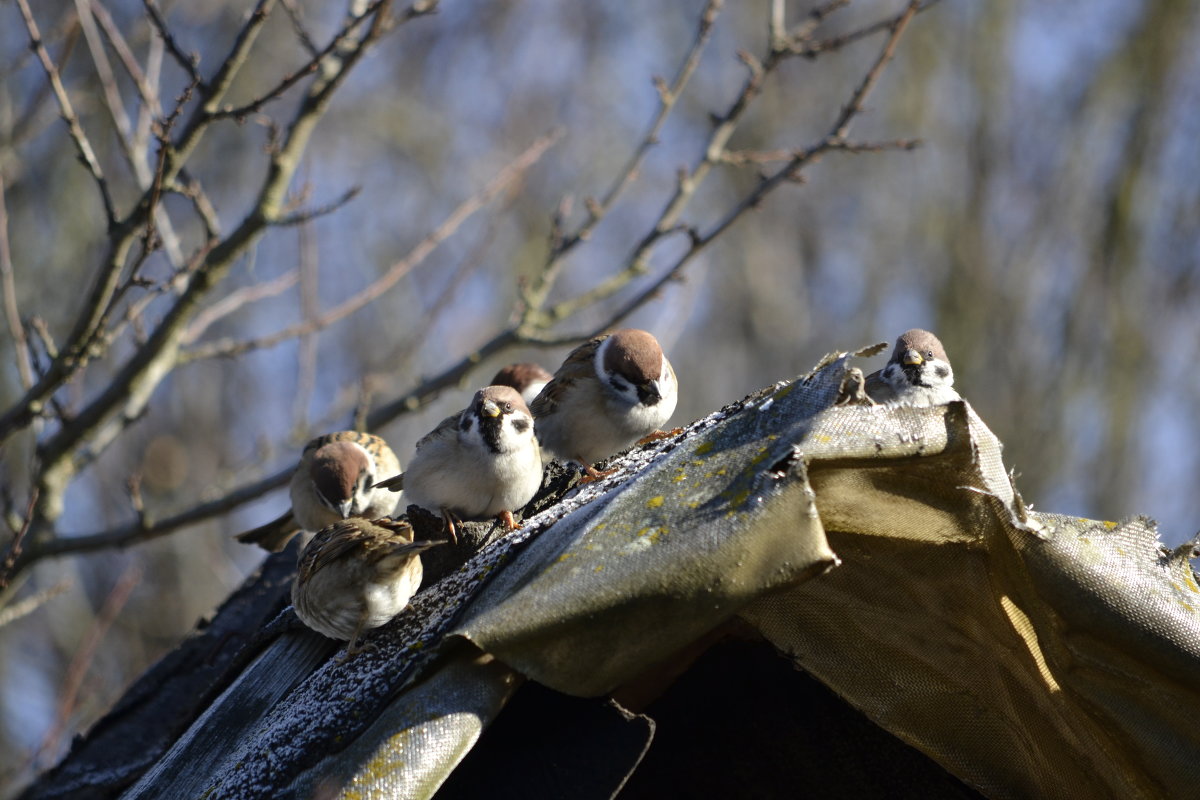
pixel 82 145
pixel 8 285
pixel 120 119
pixel 189 62
pixel 715 152
pixel 228 348
pixel 146 529
pixel 236 300
pixel 834 140
pixel 130 389
pixel 163 351
pixel 539 288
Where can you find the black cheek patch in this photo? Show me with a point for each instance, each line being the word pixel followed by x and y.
pixel 465 423
pixel 942 371
pixel 520 424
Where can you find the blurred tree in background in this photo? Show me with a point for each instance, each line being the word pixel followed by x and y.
pixel 372 212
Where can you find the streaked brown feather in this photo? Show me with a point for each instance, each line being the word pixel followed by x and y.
pixel 374 540
pixel 580 363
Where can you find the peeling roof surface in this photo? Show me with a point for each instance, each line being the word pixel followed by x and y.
pixel 883 550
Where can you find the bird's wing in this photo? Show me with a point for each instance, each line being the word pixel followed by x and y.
pixel 878 389
pixel 578 365
pixel 273 536
pixel 330 544
pixel 395 483
pixel 446 429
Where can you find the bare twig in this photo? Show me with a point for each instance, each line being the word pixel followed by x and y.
pixel 310 307
pixel 305 70
pixel 804 31
pixel 86 653
pixel 13 554
pixel 214 90
pixel 147 529
pixel 126 395
pixel 834 140
pixel 141 80
pixel 811 49
pixel 715 152
pixel 191 189
pixel 539 288
pixel 82 145
pixel 24 608
pixel 189 62
pixel 293 12
pixel 503 179
pixel 236 300
pixel 852 108
pixel 77 349
pixel 125 132
pixel 876 147
pixel 444 302
pixel 777 25
pixel 44 337
pixel 8 284
pixel 308 215
pixel 742 158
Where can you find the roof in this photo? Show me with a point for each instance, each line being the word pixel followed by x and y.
pixel 883 551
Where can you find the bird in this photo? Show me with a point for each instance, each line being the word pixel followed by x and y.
pixel 917 374
pixel 357 574
pixel 333 482
pixel 609 393
pixel 526 377
pixel 481 462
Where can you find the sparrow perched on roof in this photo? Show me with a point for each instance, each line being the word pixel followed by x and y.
pixel 527 378
pixel 333 482
pixel 918 373
pixel 356 575
pixel 608 394
pixel 482 462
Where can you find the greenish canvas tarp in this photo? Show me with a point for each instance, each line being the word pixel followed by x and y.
pixel 883 549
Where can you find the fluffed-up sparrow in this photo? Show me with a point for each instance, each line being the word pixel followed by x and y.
pixel 482 462
pixel 333 482
pixel 527 378
pixel 356 575
pixel 609 393
pixel 917 374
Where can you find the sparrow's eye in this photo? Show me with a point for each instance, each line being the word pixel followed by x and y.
pixel 508 408
pixel 929 354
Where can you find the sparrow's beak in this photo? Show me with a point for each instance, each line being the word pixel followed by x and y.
pixel 912 358
pixel 649 393
pixel 345 507
pixel 490 409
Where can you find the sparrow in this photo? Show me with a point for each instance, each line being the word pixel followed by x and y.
pixel 526 378
pixel 482 462
pixel 355 575
pixel 918 373
pixel 332 482
pixel 609 393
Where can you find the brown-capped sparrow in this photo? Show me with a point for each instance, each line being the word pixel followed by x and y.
pixel 482 462
pixel 356 575
pixel 333 482
pixel 527 378
pixel 609 393
pixel 917 374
